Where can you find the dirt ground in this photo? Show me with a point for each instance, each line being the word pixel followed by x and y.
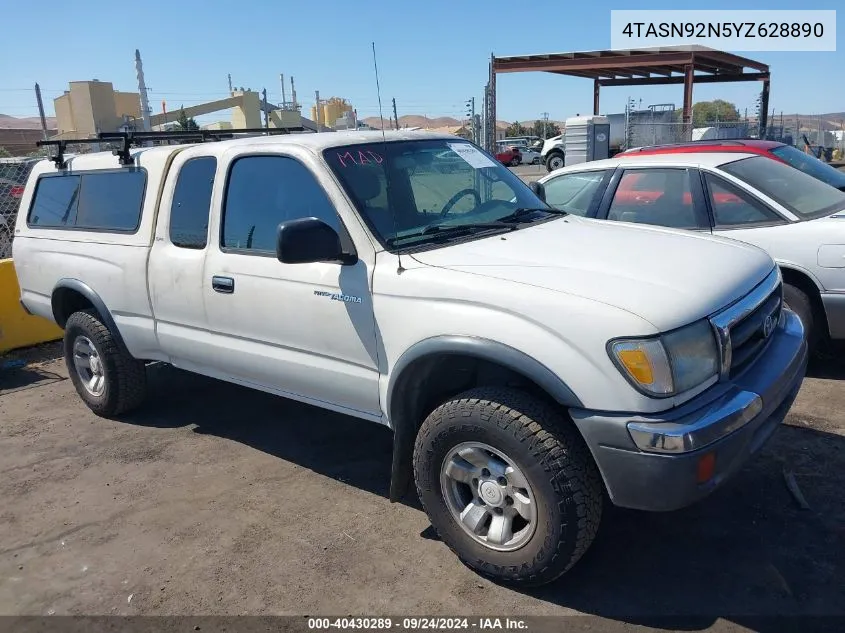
pixel 220 500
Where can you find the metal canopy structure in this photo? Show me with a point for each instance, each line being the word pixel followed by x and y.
pixel 685 65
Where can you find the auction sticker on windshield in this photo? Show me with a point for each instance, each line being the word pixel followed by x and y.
pixel 471 155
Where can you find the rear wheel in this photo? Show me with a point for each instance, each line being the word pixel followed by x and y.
pixel 514 162
pixel 508 484
pixel 108 380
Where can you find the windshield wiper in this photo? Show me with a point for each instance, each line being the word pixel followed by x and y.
pixel 521 212
pixel 438 228
pixel 446 229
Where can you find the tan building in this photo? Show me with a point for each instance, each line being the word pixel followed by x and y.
pixel 328 111
pixel 94 106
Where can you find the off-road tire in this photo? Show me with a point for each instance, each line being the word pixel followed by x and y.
pixel 125 376
pixel 798 301
pixel 551 157
pixel 553 457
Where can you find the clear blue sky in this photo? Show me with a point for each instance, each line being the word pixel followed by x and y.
pixel 432 55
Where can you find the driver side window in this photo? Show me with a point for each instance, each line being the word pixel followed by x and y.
pixel 573 193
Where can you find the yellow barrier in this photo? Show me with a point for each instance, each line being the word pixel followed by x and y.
pixel 17 328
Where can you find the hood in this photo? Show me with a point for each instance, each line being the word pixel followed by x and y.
pixel 668 277
pixel 550 143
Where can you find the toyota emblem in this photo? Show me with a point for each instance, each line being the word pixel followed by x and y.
pixel 768 326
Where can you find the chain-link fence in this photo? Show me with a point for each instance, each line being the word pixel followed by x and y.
pixel 648 133
pixel 13 175
pixel 643 133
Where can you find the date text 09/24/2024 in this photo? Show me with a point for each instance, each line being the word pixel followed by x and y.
pixel 417 623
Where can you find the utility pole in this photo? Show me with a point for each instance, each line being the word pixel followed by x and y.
pixel 471 116
pixel 266 109
pixel 142 89
pixel 293 93
pixel 485 133
pixel 842 136
pixel 545 125
pixel 395 116
pixel 317 113
pixel 41 110
pixel 230 83
pixel 284 97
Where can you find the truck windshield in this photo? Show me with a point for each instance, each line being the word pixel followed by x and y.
pixel 801 194
pixel 811 165
pixel 401 188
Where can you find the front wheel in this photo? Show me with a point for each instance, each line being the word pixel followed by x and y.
pixel 508 484
pixel 555 161
pixel 797 300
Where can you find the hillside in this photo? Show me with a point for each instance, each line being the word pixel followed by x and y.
pixel 418 120
pixel 8 122
pixel 830 121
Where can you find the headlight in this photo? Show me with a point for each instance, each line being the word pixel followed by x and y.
pixel 671 363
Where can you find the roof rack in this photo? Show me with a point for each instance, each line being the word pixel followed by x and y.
pixel 130 139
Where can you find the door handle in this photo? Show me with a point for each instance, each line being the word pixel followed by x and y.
pixel 226 285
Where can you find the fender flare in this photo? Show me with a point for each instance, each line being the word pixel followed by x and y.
pixel 797 268
pixel 99 305
pixel 405 429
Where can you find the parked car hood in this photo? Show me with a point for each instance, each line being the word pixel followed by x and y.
pixel 668 277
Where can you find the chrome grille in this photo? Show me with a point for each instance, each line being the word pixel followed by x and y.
pixel 749 337
pixel 744 329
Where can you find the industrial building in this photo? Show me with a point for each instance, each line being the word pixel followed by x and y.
pixel 329 111
pixel 89 107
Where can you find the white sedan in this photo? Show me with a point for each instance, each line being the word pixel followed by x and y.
pixel 529 156
pixel 798 219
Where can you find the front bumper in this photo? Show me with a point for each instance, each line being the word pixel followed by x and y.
pixel 654 462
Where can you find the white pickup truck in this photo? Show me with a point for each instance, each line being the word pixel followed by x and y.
pixel 532 365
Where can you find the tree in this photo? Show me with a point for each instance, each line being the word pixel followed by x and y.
pixel 546 129
pixel 4 153
pixel 515 129
pixel 707 112
pixel 185 124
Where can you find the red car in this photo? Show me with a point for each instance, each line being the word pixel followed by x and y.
pixel 772 149
pixel 510 156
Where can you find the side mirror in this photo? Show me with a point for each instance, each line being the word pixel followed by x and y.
pixel 538 189
pixel 309 240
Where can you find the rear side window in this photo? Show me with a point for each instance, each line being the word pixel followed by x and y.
pixel 662 197
pixel 192 203
pixel 97 201
pixel 54 203
pixel 733 208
